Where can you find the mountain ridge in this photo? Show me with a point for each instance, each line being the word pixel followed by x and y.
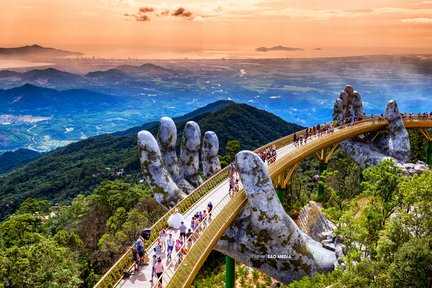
pixel 31 97
pixel 79 167
pixel 38 51
pixel 14 159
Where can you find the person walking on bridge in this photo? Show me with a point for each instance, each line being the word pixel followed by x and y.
pixel 159 268
pixel 182 230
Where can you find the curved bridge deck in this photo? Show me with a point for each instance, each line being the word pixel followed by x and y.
pixel 226 208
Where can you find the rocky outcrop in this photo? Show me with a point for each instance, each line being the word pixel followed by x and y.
pixel 209 153
pixel 263 236
pixel 313 222
pixel 189 154
pixel 157 176
pixel 417 168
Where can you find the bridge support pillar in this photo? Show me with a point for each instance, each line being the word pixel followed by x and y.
pixel 428 136
pixel 322 168
pixel 229 272
pixel 429 154
pixel 281 194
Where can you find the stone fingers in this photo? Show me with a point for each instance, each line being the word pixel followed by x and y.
pixel 189 154
pixel 157 176
pixel 209 153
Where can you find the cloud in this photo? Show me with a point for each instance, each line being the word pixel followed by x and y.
pixel 146 9
pixel 138 17
pixel 142 18
pixel 198 18
pixel 181 12
pixel 164 13
pixel 145 12
pixel 417 20
pixel 422 3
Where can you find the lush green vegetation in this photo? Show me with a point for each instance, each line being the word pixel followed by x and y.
pixel 79 167
pixel 12 160
pixel 386 230
pixel 70 246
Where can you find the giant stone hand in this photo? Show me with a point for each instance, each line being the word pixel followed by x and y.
pixel 168 177
pixel 394 144
pixel 263 236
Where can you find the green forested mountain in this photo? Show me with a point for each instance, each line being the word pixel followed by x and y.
pixel 12 160
pixel 79 167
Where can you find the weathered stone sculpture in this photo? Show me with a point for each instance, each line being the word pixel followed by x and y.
pixel 209 153
pixel 394 144
pixel 348 104
pixel 157 176
pixel 189 154
pixel 263 236
pixel 167 140
pixel 398 139
pixel 164 172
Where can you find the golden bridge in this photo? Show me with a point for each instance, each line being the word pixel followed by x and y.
pixel 226 208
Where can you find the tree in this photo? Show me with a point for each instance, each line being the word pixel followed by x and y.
pixel 232 148
pixel 412 266
pixel 34 206
pixel 381 183
pixel 117 193
pixel 41 264
pixel 19 229
pixel 341 185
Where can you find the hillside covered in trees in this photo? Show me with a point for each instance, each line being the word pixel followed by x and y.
pixel 79 167
pixel 81 207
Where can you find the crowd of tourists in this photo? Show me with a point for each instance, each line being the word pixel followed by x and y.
pixel 269 154
pixel 318 130
pixel 168 246
pixel 234 180
pixel 424 115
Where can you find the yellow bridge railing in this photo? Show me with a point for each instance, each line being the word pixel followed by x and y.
pixel 224 214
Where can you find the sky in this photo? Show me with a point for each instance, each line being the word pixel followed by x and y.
pixel 214 29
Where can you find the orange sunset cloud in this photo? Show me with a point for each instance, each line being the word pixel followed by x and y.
pixel 197 28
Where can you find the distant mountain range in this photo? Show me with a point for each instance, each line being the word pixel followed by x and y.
pixel 61 174
pixel 30 98
pixel 278 48
pixel 53 78
pixel 36 51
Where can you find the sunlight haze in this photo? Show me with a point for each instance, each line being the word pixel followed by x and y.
pixel 214 29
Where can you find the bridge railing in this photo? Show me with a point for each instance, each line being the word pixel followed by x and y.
pixel 225 212
pixel 115 274
pixel 189 242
